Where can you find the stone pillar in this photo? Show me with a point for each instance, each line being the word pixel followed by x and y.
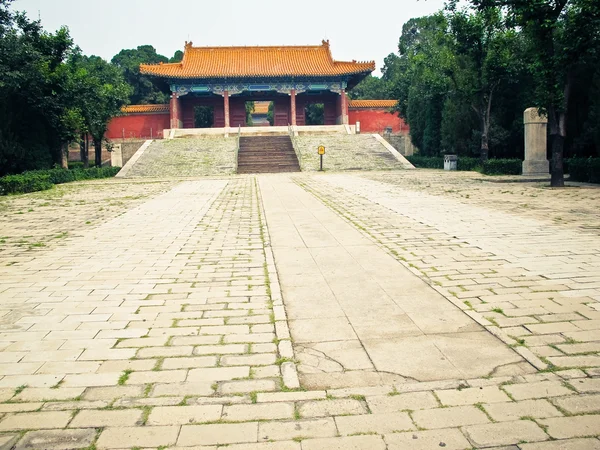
pixel 175 110
pixel 293 107
pixel 226 107
pixel 116 156
pixel 536 161
pixel 344 107
pixel 409 148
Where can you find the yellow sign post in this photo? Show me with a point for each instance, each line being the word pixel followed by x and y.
pixel 321 153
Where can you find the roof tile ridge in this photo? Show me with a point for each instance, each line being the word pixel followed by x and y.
pixel 159 64
pixel 355 62
pixel 270 47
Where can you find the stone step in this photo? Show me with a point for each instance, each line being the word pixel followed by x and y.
pixel 267 154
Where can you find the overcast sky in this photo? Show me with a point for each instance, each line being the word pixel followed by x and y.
pixel 365 30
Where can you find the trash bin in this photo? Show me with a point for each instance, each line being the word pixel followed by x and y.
pixel 450 162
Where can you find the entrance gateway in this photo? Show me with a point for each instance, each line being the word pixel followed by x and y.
pixel 225 78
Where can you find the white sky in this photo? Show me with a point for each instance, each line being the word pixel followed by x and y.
pixel 365 30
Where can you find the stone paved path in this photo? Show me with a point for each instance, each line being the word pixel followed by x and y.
pixel 418 318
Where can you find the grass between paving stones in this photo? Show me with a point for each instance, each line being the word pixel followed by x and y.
pixel 124 377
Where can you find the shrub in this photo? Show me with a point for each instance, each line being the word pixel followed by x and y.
pixel 76 165
pixel 594 170
pixel 468 164
pixel 59 176
pixel 491 167
pixel 40 180
pixel 25 182
pixel 426 162
pixel 502 167
pixel 586 170
pixel 577 169
pixel 95 172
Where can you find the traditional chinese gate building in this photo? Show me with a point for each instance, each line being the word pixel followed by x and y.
pixel 225 78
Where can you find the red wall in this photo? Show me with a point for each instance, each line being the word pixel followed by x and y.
pixel 376 120
pixel 138 126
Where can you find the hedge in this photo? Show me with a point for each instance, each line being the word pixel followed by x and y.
pixel 586 170
pixel 491 167
pixel 40 180
pixel 503 167
pixel 26 182
pixel 426 162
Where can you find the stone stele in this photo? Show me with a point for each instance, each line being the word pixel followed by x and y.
pixel 536 162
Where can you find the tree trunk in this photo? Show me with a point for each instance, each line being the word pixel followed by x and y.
pixel 557 178
pixel 86 160
pixel 64 160
pixel 485 147
pixel 485 121
pixel 98 152
pixel 83 150
pixel 557 143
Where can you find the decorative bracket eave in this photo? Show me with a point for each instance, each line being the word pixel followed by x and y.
pixel 182 89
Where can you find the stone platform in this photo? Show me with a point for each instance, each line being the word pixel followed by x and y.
pixel 380 310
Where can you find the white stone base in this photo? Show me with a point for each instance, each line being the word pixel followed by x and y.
pixel 536 167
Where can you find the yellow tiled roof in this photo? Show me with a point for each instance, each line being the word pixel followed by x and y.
pixel 372 103
pixel 218 62
pixel 137 109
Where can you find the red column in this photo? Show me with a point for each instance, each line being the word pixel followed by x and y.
pixel 175 111
pixel 344 104
pixel 226 107
pixel 293 106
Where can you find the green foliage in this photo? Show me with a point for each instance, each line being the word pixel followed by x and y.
pixel 145 89
pixel 177 57
pixel 76 165
pixel 315 114
pixel 450 68
pixel 586 170
pixel 23 183
pixel 562 38
pixel 371 88
pixel 426 162
pixel 249 110
pixel 270 117
pixel 502 167
pixel 466 164
pixel 49 94
pixel 40 180
pixel 490 167
pixel 37 110
pixel 101 93
pixel 203 116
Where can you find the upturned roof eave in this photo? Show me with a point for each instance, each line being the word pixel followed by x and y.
pixel 242 77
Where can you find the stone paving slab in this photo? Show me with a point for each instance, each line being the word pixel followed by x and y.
pixel 384 318
pixel 164 322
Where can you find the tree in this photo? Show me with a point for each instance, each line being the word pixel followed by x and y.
pixel 250 106
pixel 177 57
pixel 103 94
pixel 371 88
pixel 315 114
pixel 270 113
pixel 38 112
pixel 484 57
pixel 563 35
pixel 145 89
pixel 420 79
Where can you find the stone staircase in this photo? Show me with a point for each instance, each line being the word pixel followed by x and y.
pixel 345 152
pixel 267 154
pixel 191 157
